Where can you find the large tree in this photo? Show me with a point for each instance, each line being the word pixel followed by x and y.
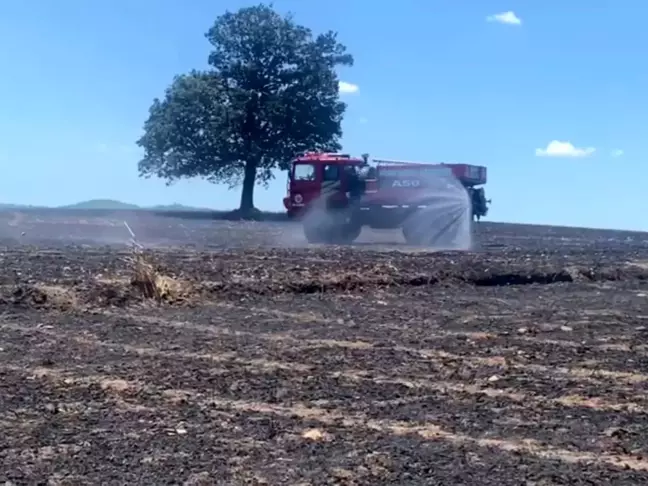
pixel 270 93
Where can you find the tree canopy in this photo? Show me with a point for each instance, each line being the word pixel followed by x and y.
pixel 271 92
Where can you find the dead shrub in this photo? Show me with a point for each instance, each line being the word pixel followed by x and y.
pixel 151 284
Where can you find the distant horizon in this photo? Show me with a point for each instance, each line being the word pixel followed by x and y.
pixel 117 205
pixel 101 202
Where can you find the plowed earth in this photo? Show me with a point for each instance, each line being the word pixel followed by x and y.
pixel 523 364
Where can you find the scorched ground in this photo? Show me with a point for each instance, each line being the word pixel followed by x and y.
pixel 517 365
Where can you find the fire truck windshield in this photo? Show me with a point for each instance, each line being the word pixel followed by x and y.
pixel 304 172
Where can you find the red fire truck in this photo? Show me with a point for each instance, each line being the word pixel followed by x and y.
pixel 336 195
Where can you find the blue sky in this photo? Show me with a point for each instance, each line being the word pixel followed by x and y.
pixel 438 81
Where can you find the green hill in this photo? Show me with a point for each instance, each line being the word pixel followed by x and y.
pixel 100 204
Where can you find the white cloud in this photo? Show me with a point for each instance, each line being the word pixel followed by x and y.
pixel 348 88
pixel 505 18
pixel 556 148
pixel 616 153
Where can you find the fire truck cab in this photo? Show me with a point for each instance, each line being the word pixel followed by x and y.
pixel 316 175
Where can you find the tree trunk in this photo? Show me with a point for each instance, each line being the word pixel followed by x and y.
pixel 247 195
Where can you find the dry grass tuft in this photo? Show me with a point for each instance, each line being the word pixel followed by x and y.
pixel 148 281
pixel 152 285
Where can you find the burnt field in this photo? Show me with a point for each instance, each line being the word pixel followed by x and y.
pixel 261 361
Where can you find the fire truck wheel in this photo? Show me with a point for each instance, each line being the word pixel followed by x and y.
pixel 313 233
pixel 318 223
pixel 330 227
pixel 346 233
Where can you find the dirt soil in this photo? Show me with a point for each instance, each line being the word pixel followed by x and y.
pixel 523 364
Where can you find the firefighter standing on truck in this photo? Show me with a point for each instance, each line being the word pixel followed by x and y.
pixel 356 181
pixel 479 203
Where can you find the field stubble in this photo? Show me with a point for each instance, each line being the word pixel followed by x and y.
pixel 520 365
